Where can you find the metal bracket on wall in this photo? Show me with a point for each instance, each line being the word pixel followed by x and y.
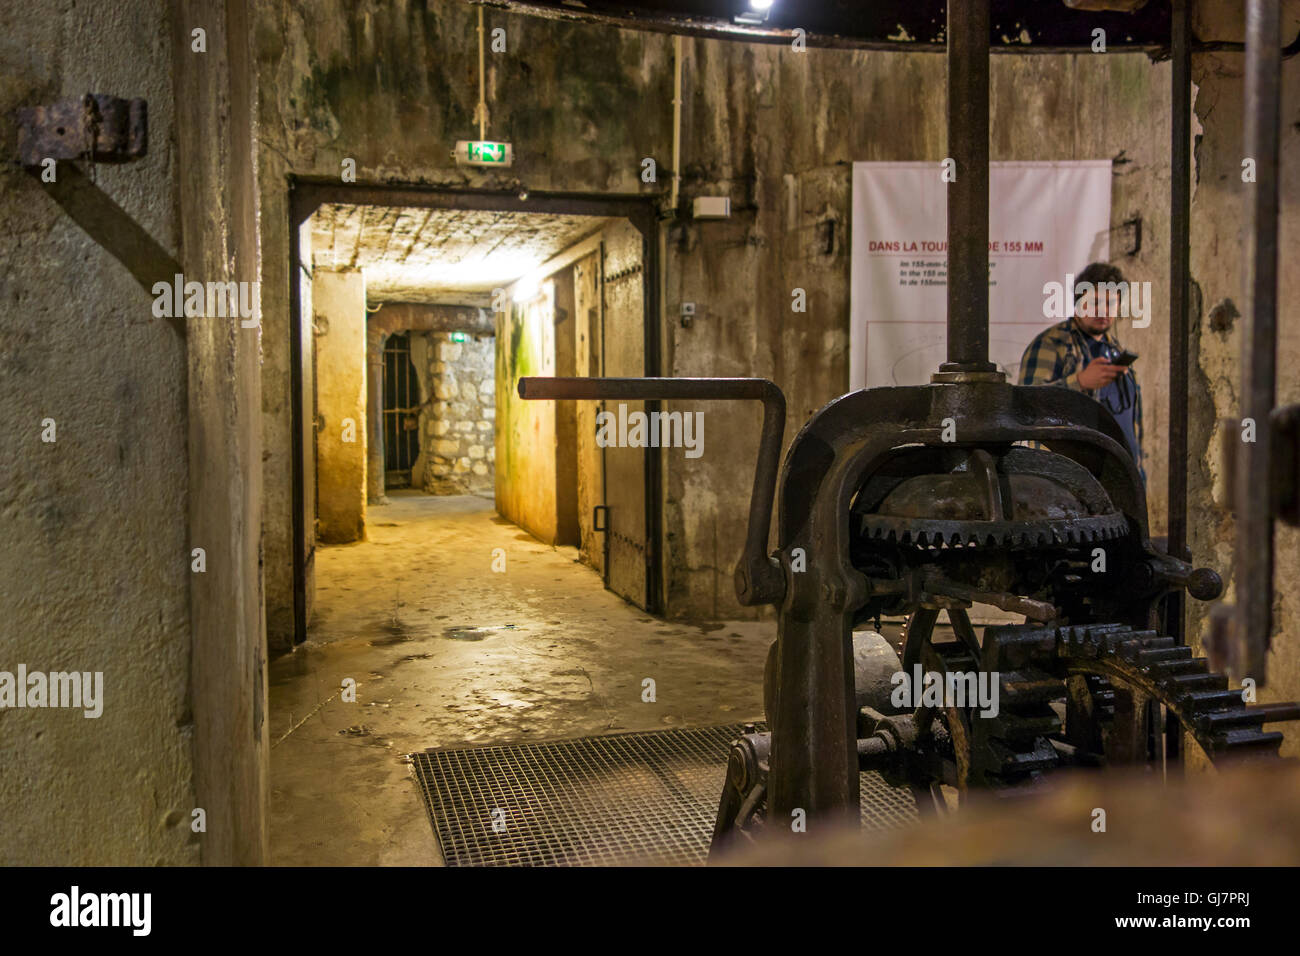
pixel 98 127
pixel 1130 234
pixel 1283 435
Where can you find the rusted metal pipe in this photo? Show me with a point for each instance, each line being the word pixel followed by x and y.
pixel 759 579
pixel 968 196
pixel 1253 622
pixel 1180 97
pixel 1180 213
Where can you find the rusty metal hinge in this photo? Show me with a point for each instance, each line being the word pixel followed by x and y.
pixel 97 127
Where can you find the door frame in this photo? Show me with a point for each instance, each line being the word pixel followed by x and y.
pixel 307 194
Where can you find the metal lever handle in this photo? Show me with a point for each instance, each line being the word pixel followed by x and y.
pixel 759 579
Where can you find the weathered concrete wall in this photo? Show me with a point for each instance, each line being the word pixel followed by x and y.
pixel 94 566
pixel 1220 240
pixel 217 170
pixel 100 522
pixel 782 150
pixel 339 311
pixel 458 425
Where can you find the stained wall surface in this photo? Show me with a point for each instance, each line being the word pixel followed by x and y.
pixel 339 309
pixel 1220 239
pixel 152 454
pixel 525 435
pixel 79 346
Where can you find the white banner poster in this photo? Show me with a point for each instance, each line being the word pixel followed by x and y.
pixel 1046 220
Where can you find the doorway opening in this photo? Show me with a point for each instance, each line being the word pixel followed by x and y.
pixel 402 401
pixel 461 294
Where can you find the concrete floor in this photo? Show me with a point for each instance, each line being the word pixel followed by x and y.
pixel 566 658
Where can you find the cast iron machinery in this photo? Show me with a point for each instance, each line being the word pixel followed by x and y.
pixel 920 500
pixel 917 501
pixel 895 520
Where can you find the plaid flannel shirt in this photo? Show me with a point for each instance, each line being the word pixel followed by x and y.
pixel 1058 355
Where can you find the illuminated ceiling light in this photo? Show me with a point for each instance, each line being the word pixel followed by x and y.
pixel 757 13
pixel 527 288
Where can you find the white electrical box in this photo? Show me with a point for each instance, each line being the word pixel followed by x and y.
pixel 711 207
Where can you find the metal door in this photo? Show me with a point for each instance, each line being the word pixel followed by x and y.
pixel 623 337
pixel 401 405
pixel 591 465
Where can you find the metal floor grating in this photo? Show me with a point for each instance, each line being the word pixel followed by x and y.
pixel 883 806
pixel 647 797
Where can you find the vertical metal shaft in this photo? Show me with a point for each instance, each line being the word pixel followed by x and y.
pixel 1254 540
pixel 968 196
pixel 1180 161
pixel 1180 213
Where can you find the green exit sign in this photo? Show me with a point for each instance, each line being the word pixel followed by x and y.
pixel 478 152
pixel 460 336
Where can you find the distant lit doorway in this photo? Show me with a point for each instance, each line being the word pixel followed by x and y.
pixel 401 412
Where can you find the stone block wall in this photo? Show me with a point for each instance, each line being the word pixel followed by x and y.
pixel 458 423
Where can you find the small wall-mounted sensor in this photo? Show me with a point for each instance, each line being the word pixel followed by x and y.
pixel 711 207
pixel 688 314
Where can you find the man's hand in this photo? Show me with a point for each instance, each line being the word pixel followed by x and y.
pixel 1099 373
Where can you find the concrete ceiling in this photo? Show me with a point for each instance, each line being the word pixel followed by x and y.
pixel 439 255
pixel 1021 26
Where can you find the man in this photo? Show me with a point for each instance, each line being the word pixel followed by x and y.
pixel 1079 353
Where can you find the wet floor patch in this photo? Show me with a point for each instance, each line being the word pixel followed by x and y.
pixel 470 633
pixel 396 633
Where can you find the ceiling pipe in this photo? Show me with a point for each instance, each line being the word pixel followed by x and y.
pixel 677 124
pixel 481 110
